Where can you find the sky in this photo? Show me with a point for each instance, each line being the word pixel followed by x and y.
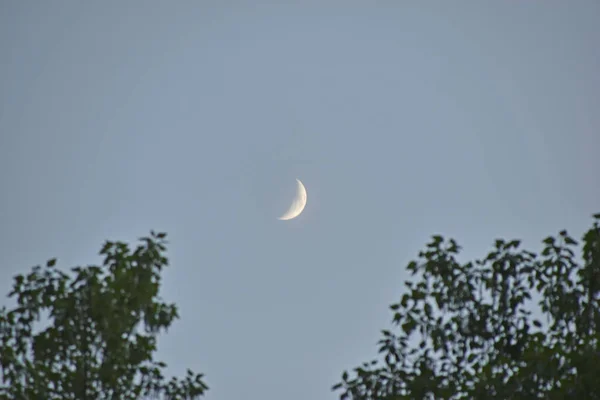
pixel 474 120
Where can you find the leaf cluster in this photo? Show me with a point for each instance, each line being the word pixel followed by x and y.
pixel 514 324
pixel 101 333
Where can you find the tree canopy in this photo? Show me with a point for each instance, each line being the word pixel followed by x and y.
pixel 513 325
pixel 103 323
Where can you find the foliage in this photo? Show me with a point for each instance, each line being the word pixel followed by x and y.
pixel 103 327
pixel 472 330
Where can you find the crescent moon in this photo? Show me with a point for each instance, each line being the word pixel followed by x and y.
pixel 297 205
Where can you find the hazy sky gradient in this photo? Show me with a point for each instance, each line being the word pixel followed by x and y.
pixel 475 120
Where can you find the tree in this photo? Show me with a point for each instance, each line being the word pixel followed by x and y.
pixel 513 325
pixel 102 332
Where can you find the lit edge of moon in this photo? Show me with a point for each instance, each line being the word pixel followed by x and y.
pixel 297 205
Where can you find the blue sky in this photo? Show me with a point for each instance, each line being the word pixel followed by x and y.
pixel 475 120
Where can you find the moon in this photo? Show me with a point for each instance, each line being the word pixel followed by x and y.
pixel 297 205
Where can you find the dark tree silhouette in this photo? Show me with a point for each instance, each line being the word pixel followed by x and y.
pixel 103 327
pixel 514 325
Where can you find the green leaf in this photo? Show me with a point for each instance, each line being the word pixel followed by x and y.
pixel 405 300
pixel 409 326
pixel 428 310
pixel 549 240
pixel 418 295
